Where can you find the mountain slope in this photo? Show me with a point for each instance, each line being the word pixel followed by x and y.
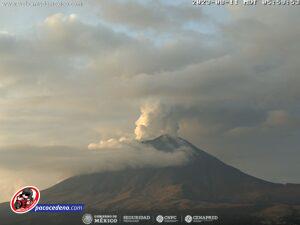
pixel 204 179
pixel 203 184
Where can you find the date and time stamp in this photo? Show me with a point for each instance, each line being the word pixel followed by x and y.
pixel 247 2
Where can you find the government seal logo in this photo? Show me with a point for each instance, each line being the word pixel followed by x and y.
pixel 87 218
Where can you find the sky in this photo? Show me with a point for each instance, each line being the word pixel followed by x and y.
pixel 76 78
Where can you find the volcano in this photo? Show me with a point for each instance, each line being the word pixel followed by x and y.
pixel 203 185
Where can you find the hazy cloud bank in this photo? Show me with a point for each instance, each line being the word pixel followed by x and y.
pixel 44 166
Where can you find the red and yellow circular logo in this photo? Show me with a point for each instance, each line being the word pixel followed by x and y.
pixel 25 199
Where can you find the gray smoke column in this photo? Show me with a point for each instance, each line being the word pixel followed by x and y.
pixel 156 119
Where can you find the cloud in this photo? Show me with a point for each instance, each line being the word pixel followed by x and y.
pixel 156 15
pixel 156 119
pixel 111 143
pixel 27 165
pixel 74 77
pixel 274 121
pixel 277 118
